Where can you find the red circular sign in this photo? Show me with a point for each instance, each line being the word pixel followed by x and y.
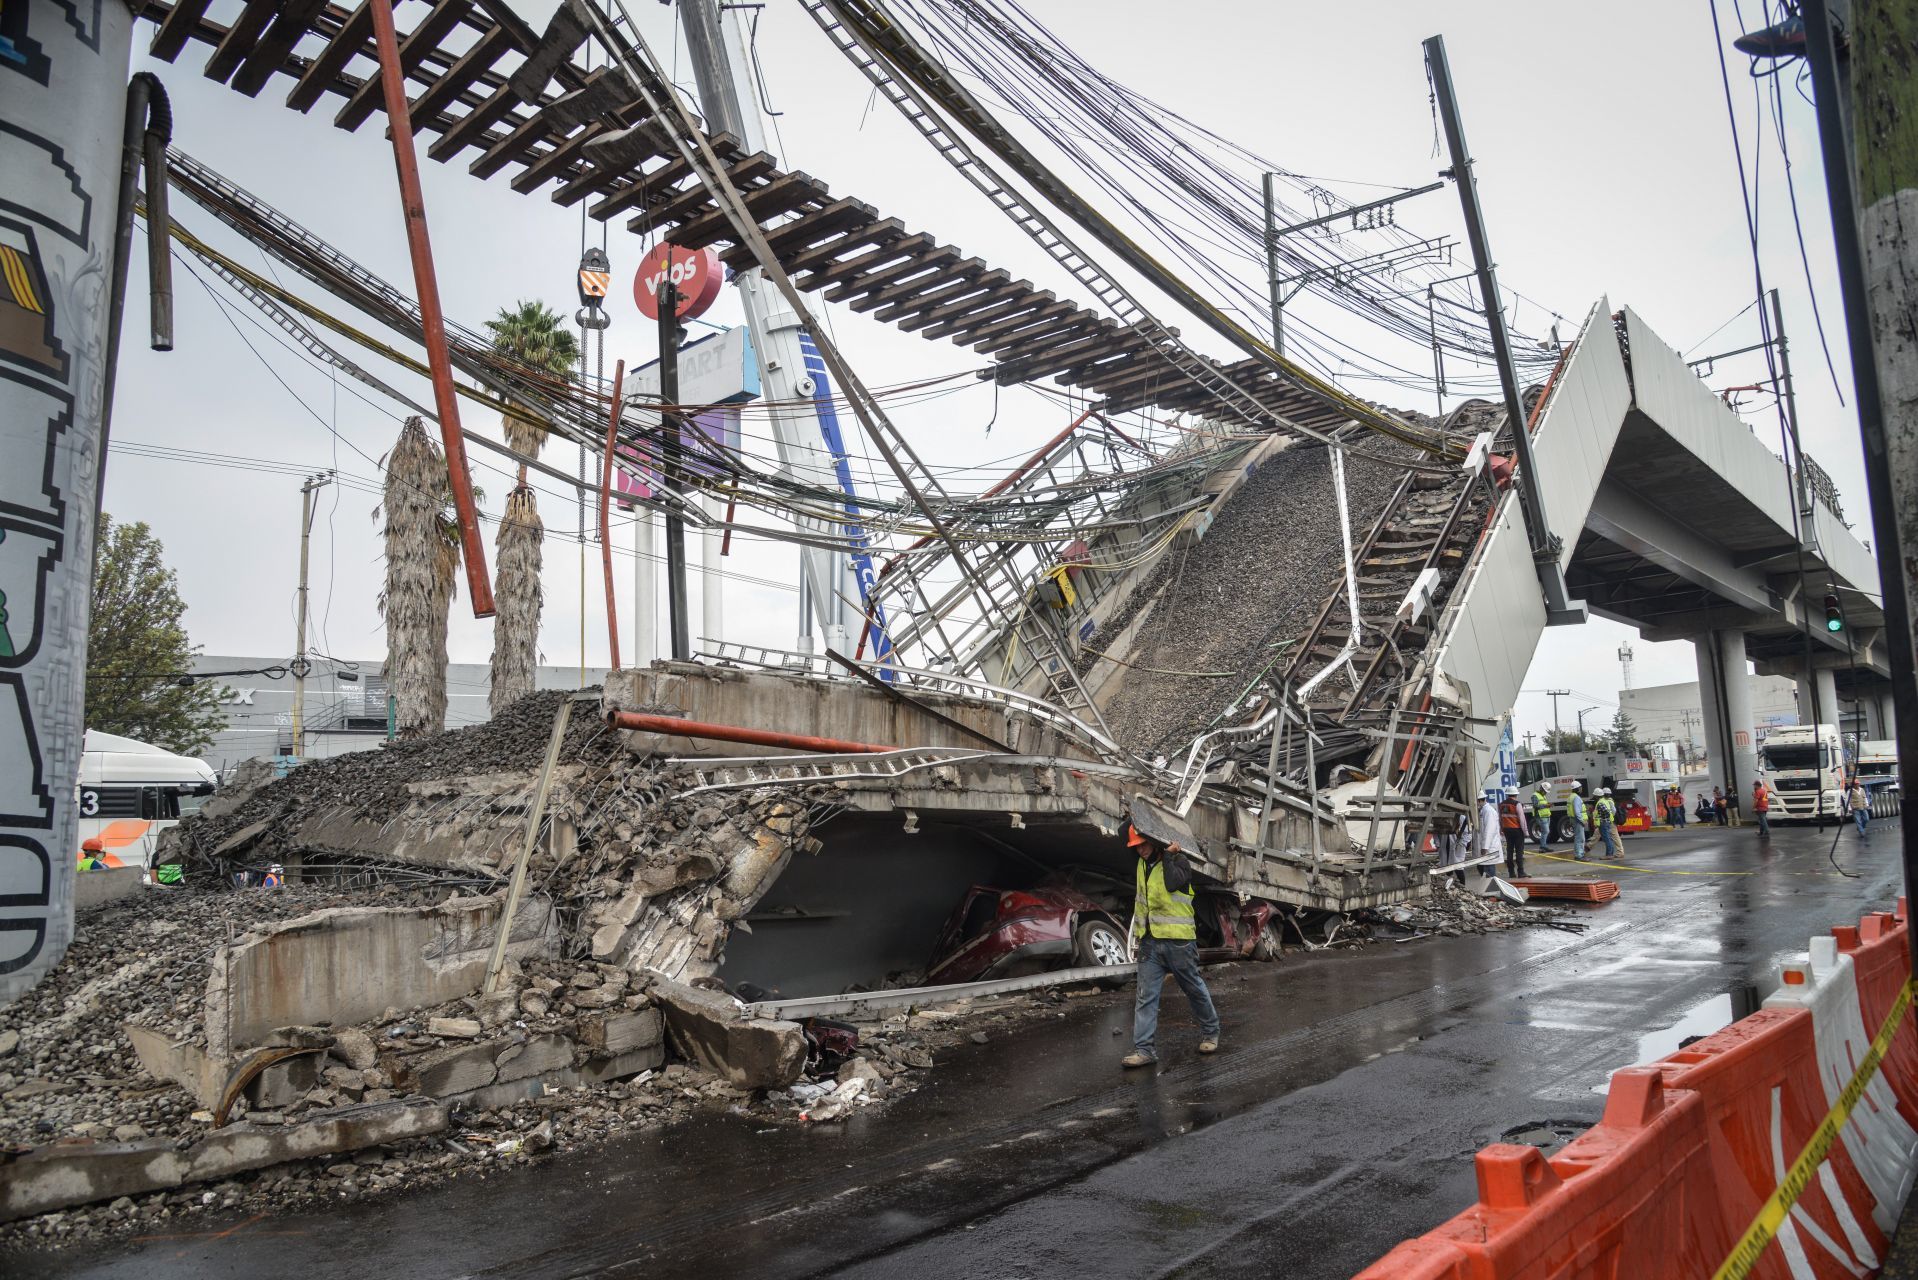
pixel 696 273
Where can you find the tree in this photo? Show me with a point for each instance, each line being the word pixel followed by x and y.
pixel 1623 735
pixel 517 598
pixel 1558 741
pixel 137 649
pixel 422 560
pixel 533 335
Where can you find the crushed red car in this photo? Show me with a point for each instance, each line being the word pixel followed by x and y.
pixel 1079 918
pixel 1000 933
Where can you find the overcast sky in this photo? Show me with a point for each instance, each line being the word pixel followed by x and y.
pixel 1605 164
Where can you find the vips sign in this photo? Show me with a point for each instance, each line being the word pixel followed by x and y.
pixel 696 273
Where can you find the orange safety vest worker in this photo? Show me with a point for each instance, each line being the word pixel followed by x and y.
pixel 1761 798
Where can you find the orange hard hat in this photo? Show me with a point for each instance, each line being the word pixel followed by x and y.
pixel 1132 837
pixel 92 845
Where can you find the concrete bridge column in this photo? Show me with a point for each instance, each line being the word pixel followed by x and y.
pixel 1725 692
pixel 1887 718
pixel 1828 709
pixel 1716 752
pixel 1805 686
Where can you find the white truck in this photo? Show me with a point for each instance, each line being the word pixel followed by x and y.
pixel 1876 764
pixel 1635 782
pixel 1803 766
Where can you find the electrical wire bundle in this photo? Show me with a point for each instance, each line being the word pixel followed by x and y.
pixel 1150 157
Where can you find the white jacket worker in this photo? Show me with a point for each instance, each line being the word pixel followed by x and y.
pixel 1491 841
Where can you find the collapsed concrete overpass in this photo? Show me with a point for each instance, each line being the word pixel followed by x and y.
pixel 1678 520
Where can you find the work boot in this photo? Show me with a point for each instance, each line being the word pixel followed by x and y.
pixel 1137 1059
pixel 1208 1046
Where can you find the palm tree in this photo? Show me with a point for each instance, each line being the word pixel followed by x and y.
pixel 517 598
pixel 534 335
pixel 421 564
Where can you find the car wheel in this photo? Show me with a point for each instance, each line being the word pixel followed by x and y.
pixel 1098 943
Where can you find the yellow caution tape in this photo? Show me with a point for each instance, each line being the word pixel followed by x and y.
pixel 1644 871
pixel 1751 1246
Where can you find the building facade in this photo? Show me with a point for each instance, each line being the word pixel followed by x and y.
pixel 1675 712
pixel 346 704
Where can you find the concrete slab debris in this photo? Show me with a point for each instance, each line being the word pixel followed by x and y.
pixel 71 1173
pixel 710 1028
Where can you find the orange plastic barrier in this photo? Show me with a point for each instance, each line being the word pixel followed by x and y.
pixel 1570 888
pixel 1880 956
pixel 1692 1146
pixel 1758 1079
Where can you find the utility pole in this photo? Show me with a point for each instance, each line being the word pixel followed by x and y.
pixel 1871 179
pixel 300 665
pixel 669 337
pixel 717 47
pixel 1529 735
pixel 1560 608
pixel 1582 713
pixel 1555 695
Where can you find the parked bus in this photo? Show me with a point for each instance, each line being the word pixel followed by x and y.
pixel 130 791
pixel 1804 768
pixel 1876 765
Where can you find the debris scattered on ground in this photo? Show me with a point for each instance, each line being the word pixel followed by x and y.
pixel 1454 909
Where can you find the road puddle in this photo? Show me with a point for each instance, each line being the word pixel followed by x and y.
pixel 1695 1023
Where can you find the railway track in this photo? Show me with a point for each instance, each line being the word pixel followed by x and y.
pixel 1429 524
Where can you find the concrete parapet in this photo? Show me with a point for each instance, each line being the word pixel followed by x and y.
pixel 348 965
pixel 840 709
pixel 109 884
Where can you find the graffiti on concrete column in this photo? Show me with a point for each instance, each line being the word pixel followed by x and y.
pixel 63 71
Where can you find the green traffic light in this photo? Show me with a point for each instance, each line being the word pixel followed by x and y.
pixel 1834 624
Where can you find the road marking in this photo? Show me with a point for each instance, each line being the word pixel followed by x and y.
pixel 1644 871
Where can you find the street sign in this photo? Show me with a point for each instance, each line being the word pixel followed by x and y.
pixel 1507 761
pixel 696 273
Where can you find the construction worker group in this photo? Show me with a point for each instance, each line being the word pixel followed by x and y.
pixel 1600 818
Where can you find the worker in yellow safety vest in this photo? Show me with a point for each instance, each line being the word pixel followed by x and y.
pixel 1164 932
pixel 1542 818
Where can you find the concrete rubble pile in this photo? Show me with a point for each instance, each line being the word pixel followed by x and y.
pixel 280 1010
pixel 1231 600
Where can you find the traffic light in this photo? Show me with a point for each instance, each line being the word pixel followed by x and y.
pixel 1834 615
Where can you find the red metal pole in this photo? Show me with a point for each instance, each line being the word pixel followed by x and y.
pixel 674 727
pixel 605 496
pixel 479 585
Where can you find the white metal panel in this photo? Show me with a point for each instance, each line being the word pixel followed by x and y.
pixel 1580 425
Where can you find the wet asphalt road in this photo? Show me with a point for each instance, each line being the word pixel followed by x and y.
pixel 1340 1116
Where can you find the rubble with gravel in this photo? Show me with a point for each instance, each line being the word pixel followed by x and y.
pixel 1229 600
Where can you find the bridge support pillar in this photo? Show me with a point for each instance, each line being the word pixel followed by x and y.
pixel 1724 687
pixel 1829 712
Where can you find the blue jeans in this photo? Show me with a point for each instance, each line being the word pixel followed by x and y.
pixel 1764 822
pixel 1610 836
pixel 1157 958
pixel 1861 817
pixel 1542 831
pixel 1578 841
